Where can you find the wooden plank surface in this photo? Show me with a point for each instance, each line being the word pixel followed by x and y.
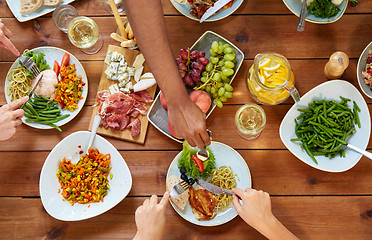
pixel 252 34
pixel 322 218
pixel 104 84
pixel 221 123
pixel 96 8
pixel 308 74
pixel 311 203
pixel 278 172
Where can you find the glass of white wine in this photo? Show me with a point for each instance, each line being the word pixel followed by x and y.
pixel 83 33
pixel 119 5
pixel 250 120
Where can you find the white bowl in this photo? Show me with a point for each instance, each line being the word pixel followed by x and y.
pixel 295 7
pixel 331 90
pixel 362 67
pixel 53 203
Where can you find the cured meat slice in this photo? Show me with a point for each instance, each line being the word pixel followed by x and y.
pixel 142 96
pixel 135 126
pixel 117 109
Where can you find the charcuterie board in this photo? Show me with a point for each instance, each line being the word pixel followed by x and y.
pixel 104 84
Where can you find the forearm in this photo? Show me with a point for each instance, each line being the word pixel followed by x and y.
pixel 147 21
pixel 275 230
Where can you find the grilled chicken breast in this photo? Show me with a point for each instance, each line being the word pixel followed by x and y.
pixel 203 204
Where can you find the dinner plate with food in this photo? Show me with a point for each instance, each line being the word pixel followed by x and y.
pixel 59 95
pixel 75 185
pixel 224 168
pixel 25 10
pixel 319 11
pixel 194 9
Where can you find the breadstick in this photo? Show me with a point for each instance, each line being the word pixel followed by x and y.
pixel 130 32
pixel 117 17
pixel 127 43
pixel 117 37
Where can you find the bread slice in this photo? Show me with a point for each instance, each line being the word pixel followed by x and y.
pixel 181 200
pixel 52 2
pixel 28 6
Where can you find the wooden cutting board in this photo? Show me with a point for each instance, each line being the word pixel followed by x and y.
pixel 104 84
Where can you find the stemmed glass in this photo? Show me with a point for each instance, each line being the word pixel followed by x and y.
pixel 82 31
pixel 119 5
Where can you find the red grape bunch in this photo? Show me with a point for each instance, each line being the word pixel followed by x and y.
pixel 191 65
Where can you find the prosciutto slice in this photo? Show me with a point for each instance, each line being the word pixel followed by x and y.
pixel 117 110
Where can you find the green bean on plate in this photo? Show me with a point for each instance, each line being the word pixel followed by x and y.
pixel 43 110
pixel 323 127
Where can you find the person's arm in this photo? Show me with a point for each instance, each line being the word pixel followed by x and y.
pixel 10 118
pixel 256 211
pixel 147 20
pixel 150 218
pixel 5 34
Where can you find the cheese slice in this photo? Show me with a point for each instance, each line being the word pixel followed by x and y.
pixel 138 74
pixel 147 76
pixel 52 2
pixel 138 61
pixel 144 84
pixel 181 1
pixel 28 6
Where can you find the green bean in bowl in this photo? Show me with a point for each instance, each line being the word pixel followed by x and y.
pixel 43 110
pixel 323 127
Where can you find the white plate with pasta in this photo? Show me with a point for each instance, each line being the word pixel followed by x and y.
pixel 53 54
pixel 225 156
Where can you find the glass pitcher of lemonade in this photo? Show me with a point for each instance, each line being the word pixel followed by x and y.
pixel 270 79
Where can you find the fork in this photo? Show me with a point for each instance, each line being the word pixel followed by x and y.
pixel 30 65
pixel 34 70
pixel 179 188
pixel 203 154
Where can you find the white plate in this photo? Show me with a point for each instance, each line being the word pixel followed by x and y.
pixel 185 10
pixel 15 7
pixel 362 67
pixel 330 90
pixel 225 156
pixel 158 116
pixel 51 54
pixel 120 184
pixel 295 7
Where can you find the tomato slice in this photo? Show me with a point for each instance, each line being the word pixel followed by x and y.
pixel 56 68
pixel 65 60
pixel 198 163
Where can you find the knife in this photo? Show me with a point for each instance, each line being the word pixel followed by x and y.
pixel 34 87
pixel 216 6
pixel 213 188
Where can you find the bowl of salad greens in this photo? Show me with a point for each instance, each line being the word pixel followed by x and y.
pixel 319 11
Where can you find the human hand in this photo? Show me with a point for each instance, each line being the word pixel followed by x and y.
pixel 189 122
pixel 5 34
pixel 10 118
pixel 150 218
pixel 256 207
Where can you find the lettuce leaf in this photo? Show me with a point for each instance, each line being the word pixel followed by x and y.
pixel 186 162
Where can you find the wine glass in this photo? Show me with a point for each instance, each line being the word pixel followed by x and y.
pixel 119 5
pixel 83 33
pixel 63 15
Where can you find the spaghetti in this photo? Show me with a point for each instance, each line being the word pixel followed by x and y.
pixel 19 84
pixel 224 178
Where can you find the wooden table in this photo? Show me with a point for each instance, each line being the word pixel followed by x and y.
pixel 311 203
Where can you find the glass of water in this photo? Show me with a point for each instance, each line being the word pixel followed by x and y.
pixel 119 5
pixel 63 15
